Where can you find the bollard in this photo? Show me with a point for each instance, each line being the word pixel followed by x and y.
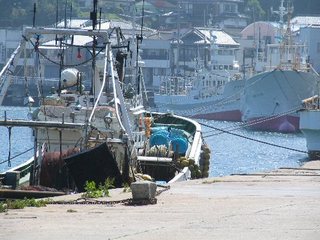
pixel 144 190
pixel 12 178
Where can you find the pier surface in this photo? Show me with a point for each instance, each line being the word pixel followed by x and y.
pixel 282 204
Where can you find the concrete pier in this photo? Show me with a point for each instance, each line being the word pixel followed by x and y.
pixel 282 204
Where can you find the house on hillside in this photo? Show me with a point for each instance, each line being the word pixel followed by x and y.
pixel 157 57
pixel 206 47
pixel 303 21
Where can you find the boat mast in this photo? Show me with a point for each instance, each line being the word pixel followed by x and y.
pixel 282 12
pixel 93 17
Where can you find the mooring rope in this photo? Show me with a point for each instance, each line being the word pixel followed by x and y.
pixel 251 139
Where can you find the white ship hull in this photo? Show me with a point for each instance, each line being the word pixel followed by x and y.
pixel 271 99
pixel 224 105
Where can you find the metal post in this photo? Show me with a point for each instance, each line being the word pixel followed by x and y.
pixel 35 158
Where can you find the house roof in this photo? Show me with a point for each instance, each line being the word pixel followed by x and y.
pixel 161 35
pixel 305 20
pixel 208 35
pixel 221 37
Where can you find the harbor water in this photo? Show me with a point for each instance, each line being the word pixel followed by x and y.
pixel 231 153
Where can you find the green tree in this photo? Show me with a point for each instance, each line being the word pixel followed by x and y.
pixel 254 10
pixel 16 13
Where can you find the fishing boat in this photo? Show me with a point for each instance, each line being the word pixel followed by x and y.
pixel 310 125
pixel 208 94
pixel 271 99
pixel 94 125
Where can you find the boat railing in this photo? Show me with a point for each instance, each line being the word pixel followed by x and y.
pixel 136 101
pixel 175 85
pixel 139 139
pixel 34 80
pixel 287 66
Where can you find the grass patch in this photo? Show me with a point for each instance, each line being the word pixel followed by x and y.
pixel 212 181
pixel 71 211
pixel 92 191
pixel 22 203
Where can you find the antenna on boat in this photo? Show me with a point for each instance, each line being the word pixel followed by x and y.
pixel 93 18
pixel 139 40
pixel 65 14
pixel 34 15
pixel 93 14
pixel 100 15
pixel 57 19
pixel 70 14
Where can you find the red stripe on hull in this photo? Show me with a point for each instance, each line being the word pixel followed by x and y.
pixel 234 115
pixel 285 124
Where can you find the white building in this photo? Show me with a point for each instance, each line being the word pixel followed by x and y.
pixel 310 35
pixel 9 41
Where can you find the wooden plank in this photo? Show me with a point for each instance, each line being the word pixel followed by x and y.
pixel 41 124
pixel 20 194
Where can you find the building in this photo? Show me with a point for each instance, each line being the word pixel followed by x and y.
pixel 206 47
pixel 310 35
pixel 157 57
pixel 9 41
pixel 254 40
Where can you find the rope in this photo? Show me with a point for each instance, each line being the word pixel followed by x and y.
pixel 252 139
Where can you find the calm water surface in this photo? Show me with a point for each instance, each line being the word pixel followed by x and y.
pixel 21 138
pixel 230 154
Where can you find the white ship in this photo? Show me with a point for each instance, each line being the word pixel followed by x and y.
pixel 211 95
pixel 271 99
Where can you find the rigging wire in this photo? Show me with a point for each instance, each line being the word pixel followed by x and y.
pixel 17 155
pixel 251 139
pixel 71 65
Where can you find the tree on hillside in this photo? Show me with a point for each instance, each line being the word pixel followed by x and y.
pixel 254 10
pixel 20 12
